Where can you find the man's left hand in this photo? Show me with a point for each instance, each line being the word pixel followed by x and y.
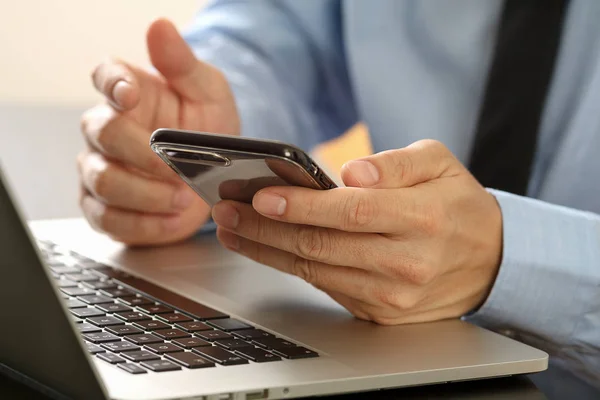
pixel 413 236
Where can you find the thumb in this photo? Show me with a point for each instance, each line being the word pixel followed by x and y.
pixel 420 162
pixel 173 58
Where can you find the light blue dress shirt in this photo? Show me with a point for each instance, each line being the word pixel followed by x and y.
pixel 303 71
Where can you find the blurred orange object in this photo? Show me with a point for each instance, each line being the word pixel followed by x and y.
pixel 351 145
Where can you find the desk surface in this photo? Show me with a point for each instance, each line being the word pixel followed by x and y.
pixel 513 388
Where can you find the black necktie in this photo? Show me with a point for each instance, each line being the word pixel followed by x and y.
pixel 518 80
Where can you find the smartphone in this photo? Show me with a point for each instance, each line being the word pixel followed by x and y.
pixel 224 167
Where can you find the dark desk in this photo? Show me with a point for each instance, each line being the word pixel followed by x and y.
pixel 496 389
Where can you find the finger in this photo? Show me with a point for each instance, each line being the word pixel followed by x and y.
pixel 118 83
pixel 358 250
pixel 122 139
pixel 118 187
pixel 354 306
pixel 352 282
pixel 420 162
pixel 129 227
pixel 173 58
pixel 347 209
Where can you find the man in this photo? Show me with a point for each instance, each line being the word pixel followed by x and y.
pixel 413 236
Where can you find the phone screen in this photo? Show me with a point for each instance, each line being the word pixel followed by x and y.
pixel 230 175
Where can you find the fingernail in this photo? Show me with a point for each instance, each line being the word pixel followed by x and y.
pixel 172 223
pixel 183 198
pixel 269 204
pixel 364 172
pixel 120 91
pixel 226 216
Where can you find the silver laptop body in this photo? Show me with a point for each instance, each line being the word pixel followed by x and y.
pixel 353 355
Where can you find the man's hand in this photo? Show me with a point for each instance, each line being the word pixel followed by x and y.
pixel 127 191
pixel 413 238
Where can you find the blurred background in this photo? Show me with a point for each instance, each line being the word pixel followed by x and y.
pixel 48 50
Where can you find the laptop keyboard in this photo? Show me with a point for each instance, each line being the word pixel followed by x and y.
pixel 141 327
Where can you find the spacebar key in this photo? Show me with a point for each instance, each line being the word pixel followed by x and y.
pixel 184 304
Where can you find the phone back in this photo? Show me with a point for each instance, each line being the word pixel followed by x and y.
pixel 231 175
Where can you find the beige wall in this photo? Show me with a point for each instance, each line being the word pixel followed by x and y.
pixel 48 47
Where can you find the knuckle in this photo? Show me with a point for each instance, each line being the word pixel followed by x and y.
pixel 312 243
pixel 415 273
pixel 101 181
pixel 105 136
pixel 97 125
pixel 304 269
pixel 433 145
pixel 402 163
pixel 431 219
pixel 395 298
pixel 361 212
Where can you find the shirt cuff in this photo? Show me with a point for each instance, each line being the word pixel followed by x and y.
pixel 538 294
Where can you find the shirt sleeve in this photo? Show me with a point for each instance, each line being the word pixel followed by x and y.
pixel 285 64
pixel 547 292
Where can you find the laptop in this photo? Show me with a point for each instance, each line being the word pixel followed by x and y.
pixel 85 318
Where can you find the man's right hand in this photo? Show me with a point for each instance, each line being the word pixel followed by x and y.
pixel 127 190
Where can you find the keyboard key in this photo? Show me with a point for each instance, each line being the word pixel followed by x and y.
pixel 77 291
pixel 76 320
pixel 232 344
pixel 161 365
pixel 191 342
pixel 65 270
pixel 213 335
pixel 94 299
pixel 272 343
pixel 92 348
pixel 140 355
pixel 145 338
pixel 66 283
pixel 151 325
pixel 86 312
pixel 173 317
pixel 113 307
pixel 87 328
pixel 54 275
pixel 295 353
pixel 171 334
pixel 132 368
pixel 117 292
pixel 101 337
pixel 131 316
pixel 110 357
pixel 190 360
pixel 162 348
pixel 106 320
pixel 98 285
pixel 135 301
pixel 193 326
pixel 257 355
pixel 118 347
pixel 155 309
pixel 82 277
pixel 250 334
pixel 229 324
pixel 122 330
pixel 75 304
pixel 220 356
